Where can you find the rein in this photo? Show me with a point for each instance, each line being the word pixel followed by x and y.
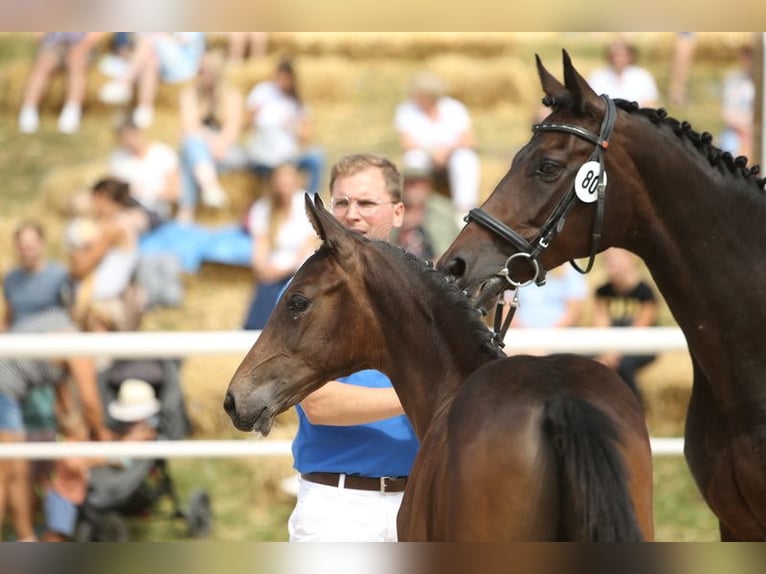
pixel 532 250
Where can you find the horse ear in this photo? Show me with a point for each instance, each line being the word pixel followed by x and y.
pixel 551 86
pixel 329 229
pixel 314 207
pixel 576 84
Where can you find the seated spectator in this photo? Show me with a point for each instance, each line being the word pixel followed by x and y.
pixel 429 225
pixel 151 168
pixel 738 107
pixel 436 133
pixel 282 240
pixel 243 45
pixel 281 127
pixel 558 303
pixel 625 300
pixel 103 252
pixel 17 378
pixel 171 57
pixel 71 49
pixel 684 45
pixel 69 481
pixel 622 78
pixel 212 113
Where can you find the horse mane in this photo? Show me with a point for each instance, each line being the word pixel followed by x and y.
pixel 449 292
pixel 703 142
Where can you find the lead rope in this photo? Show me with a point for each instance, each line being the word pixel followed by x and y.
pixel 501 325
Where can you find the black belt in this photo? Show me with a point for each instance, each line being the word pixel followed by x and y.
pixel 382 484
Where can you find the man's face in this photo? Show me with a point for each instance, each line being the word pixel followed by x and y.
pixel 30 248
pixel 362 204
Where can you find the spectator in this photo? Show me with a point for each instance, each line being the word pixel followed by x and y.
pixel 170 57
pixel 436 133
pixel 353 431
pixel 247 44
pixel 71 49
pixel 429 226
pixel 17 378
pixel 625 300
pixel 684 45
pixel 622 78
pixel 281 127
pixel 69 482
pixel 282 239
pixel 151 168
pixel 738 107
pixel 103 252
pixel 558 303
pixel 211 118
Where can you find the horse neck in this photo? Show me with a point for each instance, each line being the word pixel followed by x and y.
pixel 699 236
pixel 427 352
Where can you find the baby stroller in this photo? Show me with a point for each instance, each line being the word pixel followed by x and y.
pixel 134 489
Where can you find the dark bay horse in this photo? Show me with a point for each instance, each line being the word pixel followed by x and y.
pixel 694 214
pixel 522 448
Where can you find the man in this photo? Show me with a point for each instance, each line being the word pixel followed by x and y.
pixel 352 432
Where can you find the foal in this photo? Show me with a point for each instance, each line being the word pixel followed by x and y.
pixel 520 448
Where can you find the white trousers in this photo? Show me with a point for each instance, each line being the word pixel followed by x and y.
pixel 463 171
pixel 338 514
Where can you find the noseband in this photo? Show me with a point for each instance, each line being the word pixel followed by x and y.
pixel 531 250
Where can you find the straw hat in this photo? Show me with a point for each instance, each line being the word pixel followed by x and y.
pixel 135 401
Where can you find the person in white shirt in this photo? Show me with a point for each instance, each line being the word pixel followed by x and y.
pixel 283 238
pixel 150 167
pixel 436 133
pixel 622 78
pixel 281 128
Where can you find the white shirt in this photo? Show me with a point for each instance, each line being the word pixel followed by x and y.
pixel 296 229
pixel 146 175
pixel 452 120
pixel 634 84
pixel 275 124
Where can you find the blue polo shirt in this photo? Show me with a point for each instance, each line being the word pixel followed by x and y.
pixel 382 448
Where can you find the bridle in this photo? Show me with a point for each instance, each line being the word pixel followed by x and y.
pixel 532 250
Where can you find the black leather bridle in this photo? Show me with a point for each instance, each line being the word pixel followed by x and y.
pixel 531 250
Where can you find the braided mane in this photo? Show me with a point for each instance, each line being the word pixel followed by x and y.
pixel 703 142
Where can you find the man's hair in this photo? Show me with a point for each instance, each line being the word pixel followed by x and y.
pixel 355 163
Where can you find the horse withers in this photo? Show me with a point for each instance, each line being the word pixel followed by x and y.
pixel 599 173
pixel 520 448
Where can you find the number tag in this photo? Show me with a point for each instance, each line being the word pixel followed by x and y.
pixel 586 181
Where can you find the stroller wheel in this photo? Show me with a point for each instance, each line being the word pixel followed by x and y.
pixel 110 527
pixel 199 517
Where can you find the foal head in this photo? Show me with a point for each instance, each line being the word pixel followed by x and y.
pixel 321 328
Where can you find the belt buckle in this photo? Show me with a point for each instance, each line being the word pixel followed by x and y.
pixel 383 483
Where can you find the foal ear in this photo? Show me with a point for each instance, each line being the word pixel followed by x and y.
pixel 329 229
pixel 576 84
pixel 551 86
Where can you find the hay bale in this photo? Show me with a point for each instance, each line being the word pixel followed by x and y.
pixel 666 387
pixel 63 184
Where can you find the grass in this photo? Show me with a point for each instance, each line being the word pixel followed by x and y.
pixel 247 502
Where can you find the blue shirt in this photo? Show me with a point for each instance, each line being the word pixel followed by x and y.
pixel 382 448
pixel 29 293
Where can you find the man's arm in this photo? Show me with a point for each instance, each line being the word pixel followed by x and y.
pixel 341 404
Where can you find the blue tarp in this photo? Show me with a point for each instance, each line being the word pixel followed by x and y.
pixel 194 244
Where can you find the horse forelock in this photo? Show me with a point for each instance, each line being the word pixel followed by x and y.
pixel 437 286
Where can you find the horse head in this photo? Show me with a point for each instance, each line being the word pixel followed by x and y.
pixel 546 207
pixel 324 302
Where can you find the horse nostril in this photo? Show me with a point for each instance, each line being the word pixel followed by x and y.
pixel 228 404
pixel 455 268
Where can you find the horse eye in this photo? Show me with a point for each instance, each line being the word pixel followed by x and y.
pixel 297 303
pixel 548 169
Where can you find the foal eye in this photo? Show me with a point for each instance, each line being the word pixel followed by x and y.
pixel 297 303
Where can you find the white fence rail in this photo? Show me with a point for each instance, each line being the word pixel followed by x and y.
pixel 161 344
